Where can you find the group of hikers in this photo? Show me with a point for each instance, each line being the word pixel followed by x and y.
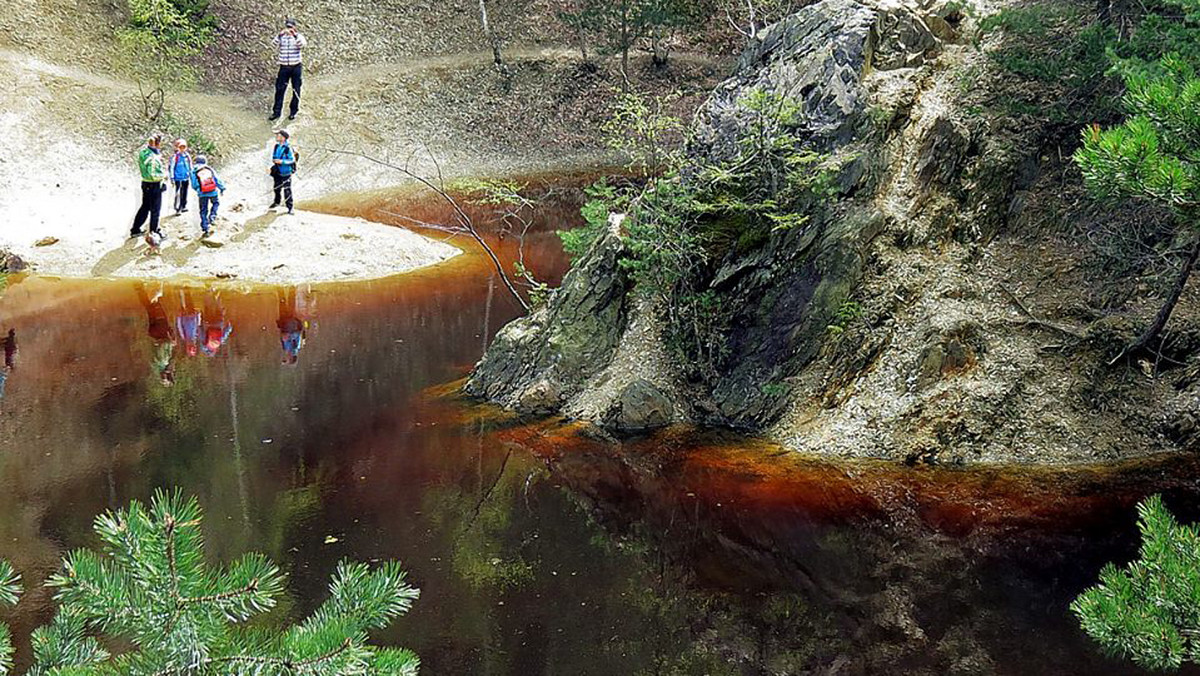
pixel 187 173
pixel 204 330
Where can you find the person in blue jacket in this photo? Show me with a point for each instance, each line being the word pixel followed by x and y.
pixel 209 187
pixel 283 166
pixel 181 171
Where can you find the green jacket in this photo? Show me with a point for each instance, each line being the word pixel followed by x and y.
pixel 152 166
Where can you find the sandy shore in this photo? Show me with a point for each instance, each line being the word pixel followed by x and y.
pixel 275 248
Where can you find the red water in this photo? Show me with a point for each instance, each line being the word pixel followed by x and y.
pixel 537 549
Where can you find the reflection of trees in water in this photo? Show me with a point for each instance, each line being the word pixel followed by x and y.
pixel 698 629
pixel 476 517
pixel 746 589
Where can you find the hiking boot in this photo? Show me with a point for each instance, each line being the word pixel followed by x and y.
pixel 134 234
pixel 273 117
pixel 274 206
pixel 291 212
pixel 292 116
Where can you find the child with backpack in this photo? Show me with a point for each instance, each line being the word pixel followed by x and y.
pixel 209 187
pixel 181 171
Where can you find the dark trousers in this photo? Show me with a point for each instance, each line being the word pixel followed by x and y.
pixel 151 205
pixel 181 193
pixel 283 184
pixel 288 74
pixel 208 211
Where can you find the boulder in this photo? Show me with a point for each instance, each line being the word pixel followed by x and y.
pixel 902 40
pixel 941 154
pixel 640 406
pixel 10 262
pixel 952 352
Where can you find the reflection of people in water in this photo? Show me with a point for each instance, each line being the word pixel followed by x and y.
pixel 159 328
pixel 293 322
pixel 10 359
pixel 187 324
pixel 216 328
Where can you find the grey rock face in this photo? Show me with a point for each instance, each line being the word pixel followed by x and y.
pixel 940 158
pixel 816 57
pixel 538 361
pixel 904 41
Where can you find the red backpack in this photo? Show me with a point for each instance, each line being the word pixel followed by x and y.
pixel 208 180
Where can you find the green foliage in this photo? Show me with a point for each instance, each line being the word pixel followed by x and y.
pixel 199 143
pixel 846 313
pixel 644 131
pixel 620 25
pixel 157 47
pixel 1149 611
pixel 10 593
pixel 151 592
pixel 680 223
pixel 491 191
pixel 1153 154
pixel 539 291
pixel 1061 56
pixel 604 199
pixel 515 212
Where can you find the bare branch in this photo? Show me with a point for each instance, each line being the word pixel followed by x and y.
pixel 461 216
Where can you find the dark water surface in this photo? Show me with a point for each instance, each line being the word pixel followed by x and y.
pixel 316 428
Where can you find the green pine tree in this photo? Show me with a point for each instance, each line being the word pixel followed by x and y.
pixel 1153 155
pixel 1149 611
pixel 150 589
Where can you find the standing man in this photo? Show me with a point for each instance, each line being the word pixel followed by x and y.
pixel 289 44
pixel 283 167
pixel 154 176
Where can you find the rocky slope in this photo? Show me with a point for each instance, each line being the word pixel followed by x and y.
pixel 921 317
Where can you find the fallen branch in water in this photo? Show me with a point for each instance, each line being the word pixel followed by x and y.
pixel 463 225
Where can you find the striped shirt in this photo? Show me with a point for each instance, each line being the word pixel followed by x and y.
pixel 289 48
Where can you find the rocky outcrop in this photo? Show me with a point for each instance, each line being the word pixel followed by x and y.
pixel 785 291
pixel 898 321
pixel 640 406
pixel 537 362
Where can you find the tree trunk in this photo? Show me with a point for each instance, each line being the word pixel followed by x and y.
pixel 661 51
pixel 583 50
pixel 497 58
pixel 1164 314
pixel 625 45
